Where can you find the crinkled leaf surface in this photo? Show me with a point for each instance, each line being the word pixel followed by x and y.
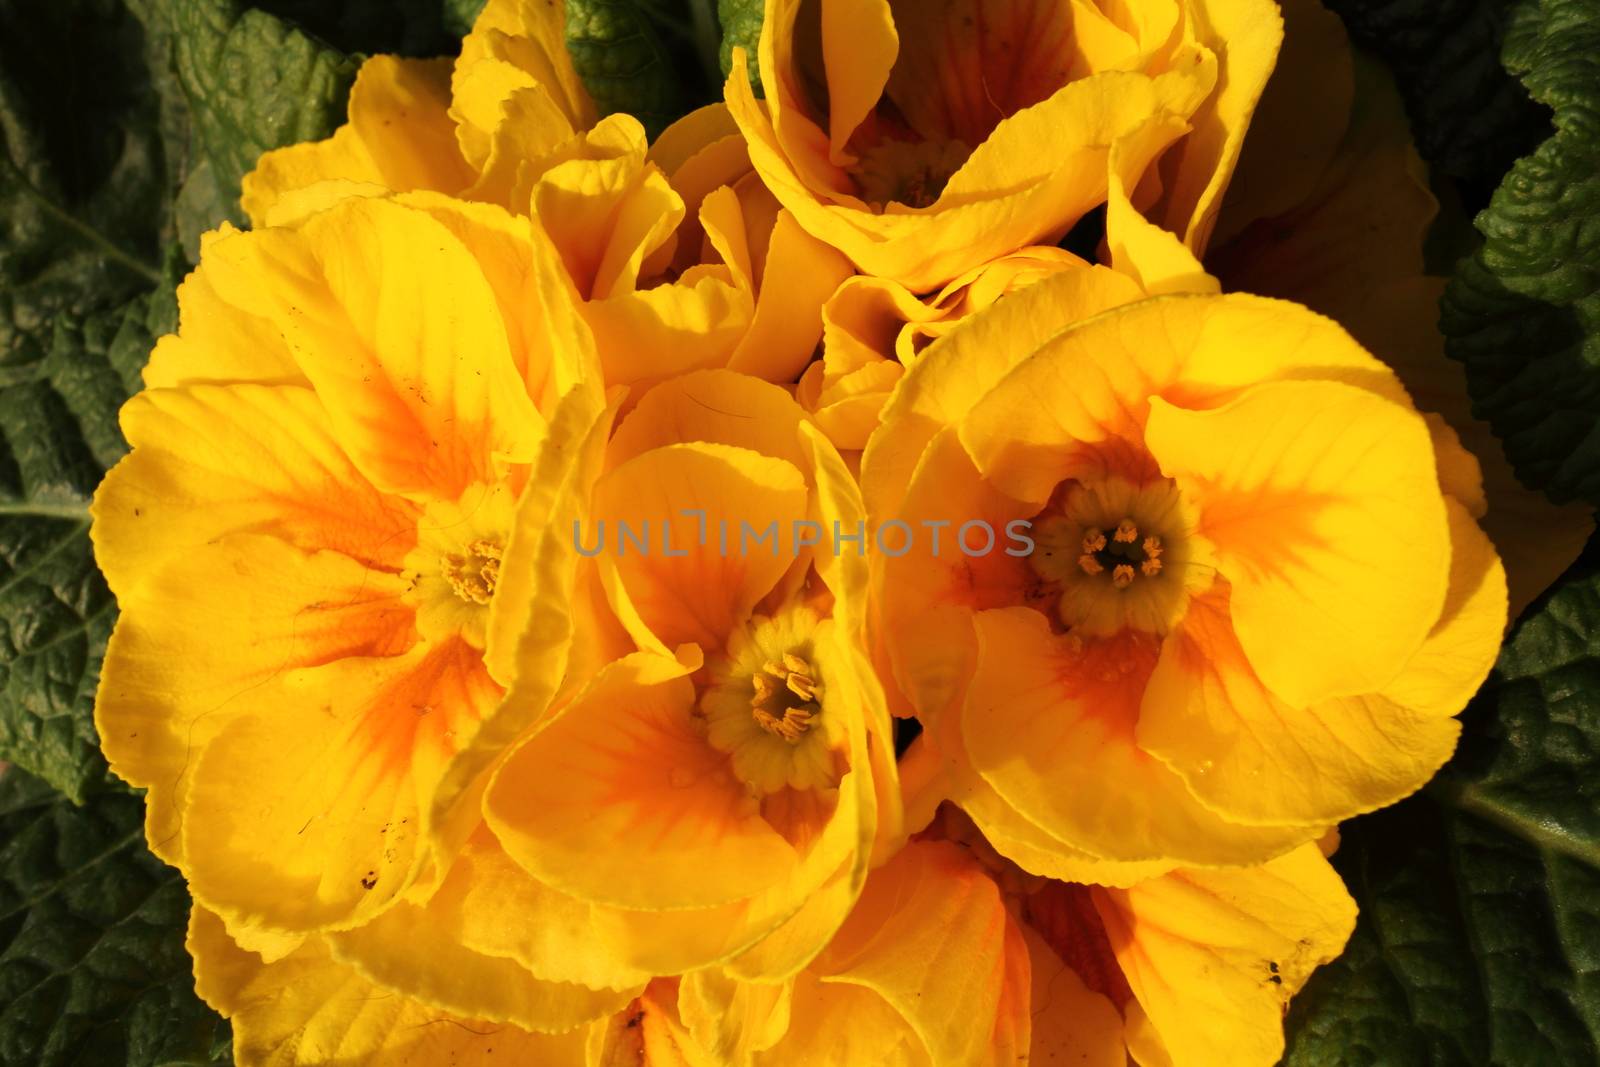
pixel 92 964
pixel 1470 117
pixel 741 28
pixel 1479 936
pixel 1523 314
pixel 85 206
pixel 58 436
pixel 250 82
pixel 642 56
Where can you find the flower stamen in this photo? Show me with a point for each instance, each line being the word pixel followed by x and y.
pixel 472 577
pixel 1125 555
pixel 777 685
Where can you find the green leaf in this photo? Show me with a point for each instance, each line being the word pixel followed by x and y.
pixel 85 191
pixel 741 28
pixel 639 56
pixel 93 968
pixel 58 436
pixel 84 181
pixel 1479 936
pixel 1471 119
pixel 459 15
pixel 1524 313
pixel 393 27
pixel 250 82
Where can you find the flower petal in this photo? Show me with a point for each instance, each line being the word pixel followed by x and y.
pixel 169 685
pixel 930 935
pixel 208 461
pixel 308 807
pixel 399 136
pixel 1245 34
pixel 859 45
pixel 698 575
pixel 418 949
pixel 717 407
pixel 390 317
pixel 1326 515
pixel 218 341
pixel 1252 757
pixel 1035 706
pixel 308 1010
pixel 1214 956
pixel 624 765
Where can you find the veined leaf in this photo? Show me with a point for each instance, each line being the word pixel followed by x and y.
pixel 1523 314
pixel 92 962
pixel 1479 937
pixel 639 56
pixel 741 28
pixel 250 82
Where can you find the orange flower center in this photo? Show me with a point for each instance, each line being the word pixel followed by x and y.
pixel 761 702
pixel 1124 555
pixel 455 566
pixel 1117 554
pixel 787 697
pixel 913 173
pixel 472 575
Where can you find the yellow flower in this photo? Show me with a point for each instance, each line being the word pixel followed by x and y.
pixel 1193 968
pixel 307 539
pixel 716 795
pixel 924 140
pixel 1252 606
pixel 954 955
pixel 931 968
pixel 682 258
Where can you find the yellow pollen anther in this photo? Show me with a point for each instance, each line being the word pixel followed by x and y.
pixel 1152 546
pixel 473 576
pixel 1093 541
pixel 1122 576
pixel 772 683
pixel 1151 567
pixel 1127 533
pixel 1089 565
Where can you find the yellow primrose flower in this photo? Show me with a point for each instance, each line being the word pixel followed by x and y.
pixel 307 539
pixel 681 256
pixel 716 795
pixel 930 968
pixel 1254 599
pixel 1192 968
pixel 926 139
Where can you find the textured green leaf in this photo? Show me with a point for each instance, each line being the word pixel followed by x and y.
pixel 394 27
pixel 1471 118
pixel 741 28
pixel 58 435
pixel 1524 313
pixel 84 182
pixel 459 15
pixel 639 56
pixel 85 191
pixel 1479 936
pixel 92 962
pixel 250 82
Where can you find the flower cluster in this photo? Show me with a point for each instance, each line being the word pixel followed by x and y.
pixel 536 640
